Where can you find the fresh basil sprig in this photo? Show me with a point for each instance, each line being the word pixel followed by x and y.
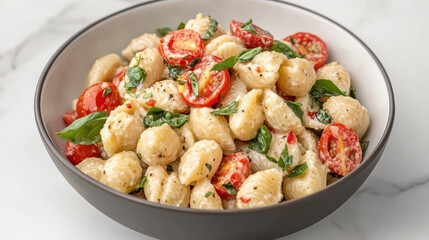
pixel 323 116
pixel 173 71
pixel 227 110
pixel 194 84
pixel 194 62
pixel 181 26
pixel 298 170
pixel 271 159
pixel 85 130
pixel 134 77
pixel 325 88
pixel 147 95
pixel 142 182
pixel 248 26
pixel 285 49
pixel 295 107
pixel 261 142
pixel 211 30
pixel 285 159
pixel 364 145
pixel 230 189
pixel 163 31
pixel 157 116
pixel 245 56
pixel 107 91
pixel 134 95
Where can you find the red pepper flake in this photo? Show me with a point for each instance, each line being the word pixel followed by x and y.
pixel 291 139
pixel 150 102
pixel 312 114
pixel 258 70
pixel 245 200
pixel 129 105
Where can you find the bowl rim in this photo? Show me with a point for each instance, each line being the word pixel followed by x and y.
pixel 64 161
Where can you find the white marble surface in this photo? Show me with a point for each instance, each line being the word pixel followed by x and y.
pixel 37 203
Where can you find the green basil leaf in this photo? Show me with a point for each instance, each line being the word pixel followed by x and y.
pixel 315 102
pixel 194 62
pixel 134 77
pixel 147 95
pixel 271 159
pixel 163 31
pixel 225 64
pixel 134 95
pixel 364 145
pixel 85 130
pixel 248 26
pixel 173 71
pixel 156 117
pixel 292 40
pixel 139 156
pixel 323 116
pixel 298 170
pixel 209 166
pixel 142 182
pixel 261 142
pixel 283 48
pixel 169 168
pixel 352 92
pixel 325 88
pixel 181 82
pixel 230 189
pixel 295 106
pixel 248 54
pixel 194 83
pixel 211 30
pixel 185 57
pixel 181 26
pixel 208 194
pixel 107 91
pixel 227 110
pixel 285 159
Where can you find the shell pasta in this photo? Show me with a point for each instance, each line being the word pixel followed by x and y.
pixel 207 119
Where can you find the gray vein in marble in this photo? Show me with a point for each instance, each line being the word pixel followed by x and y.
pixel 384 188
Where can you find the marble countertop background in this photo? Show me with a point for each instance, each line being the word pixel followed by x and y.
pixel 37 203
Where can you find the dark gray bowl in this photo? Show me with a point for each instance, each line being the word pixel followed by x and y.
pixel 64 78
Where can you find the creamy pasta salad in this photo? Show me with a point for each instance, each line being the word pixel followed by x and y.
pixel 198 117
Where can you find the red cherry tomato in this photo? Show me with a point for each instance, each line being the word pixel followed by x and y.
pixel 180 47
pixel 92 100
pixel 120 74
pixel 234 168
pixel 339 149
pixel 211 84
pixel 291 138
pixel 264 39
pixel 77 153
pixel 70 117
pixel 311 46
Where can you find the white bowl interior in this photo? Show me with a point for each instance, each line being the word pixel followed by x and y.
pixel 67 76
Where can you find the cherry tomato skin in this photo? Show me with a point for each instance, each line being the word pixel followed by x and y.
pixel 77 153
pixel 250 40
pixel 70 117
pixel 92 100
pixel 180 47
pixel 212 84
pixel 311 46
pixel 339 149
pixel 234 168
pixel 119 76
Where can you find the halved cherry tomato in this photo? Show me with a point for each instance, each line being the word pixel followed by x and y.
pixel 70 117
pixel 120 74
pixel 339 149
pixel 77 153
pixel 211 84
pixel 264 39
pixel 92 100
pixel 311 46
pixel 234 168
pixel 180 47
